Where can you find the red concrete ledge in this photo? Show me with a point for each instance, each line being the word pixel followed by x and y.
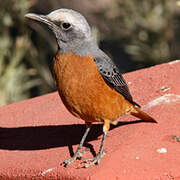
pixel 37 134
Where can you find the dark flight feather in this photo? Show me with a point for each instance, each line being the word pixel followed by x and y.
pixel 113 77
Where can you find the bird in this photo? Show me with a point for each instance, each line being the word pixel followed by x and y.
pixel 89 83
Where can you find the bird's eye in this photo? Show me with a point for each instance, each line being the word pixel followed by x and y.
pixel 65 26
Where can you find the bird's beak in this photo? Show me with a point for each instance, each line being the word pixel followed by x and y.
pixel 41 18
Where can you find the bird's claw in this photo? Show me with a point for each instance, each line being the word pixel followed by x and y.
pixel 94 160
pixel 66 162
pixel 76 156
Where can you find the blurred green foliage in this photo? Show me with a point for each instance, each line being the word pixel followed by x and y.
pixel 19 70
pixel 141 32
pixel 146 28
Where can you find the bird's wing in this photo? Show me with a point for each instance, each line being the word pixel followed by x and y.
pixel 113 77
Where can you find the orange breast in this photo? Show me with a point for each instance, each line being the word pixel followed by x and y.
pixel 83 90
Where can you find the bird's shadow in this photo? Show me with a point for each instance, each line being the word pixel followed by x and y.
pixel 44 137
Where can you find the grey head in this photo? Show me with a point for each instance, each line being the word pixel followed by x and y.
pixel 71 30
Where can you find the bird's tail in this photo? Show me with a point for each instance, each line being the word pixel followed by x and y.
pixel 142 115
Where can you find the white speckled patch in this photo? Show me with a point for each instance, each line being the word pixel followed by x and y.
pixel 162 150
pixel 173 62
pixel 47 171
pixel 165 99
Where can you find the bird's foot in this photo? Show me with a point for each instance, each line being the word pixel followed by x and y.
pixel 76 156
pixel 94 160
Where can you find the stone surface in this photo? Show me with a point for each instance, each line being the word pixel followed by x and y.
pixel 37 134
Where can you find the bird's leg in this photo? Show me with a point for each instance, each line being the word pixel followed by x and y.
pixel 101 153
pixel 78 154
